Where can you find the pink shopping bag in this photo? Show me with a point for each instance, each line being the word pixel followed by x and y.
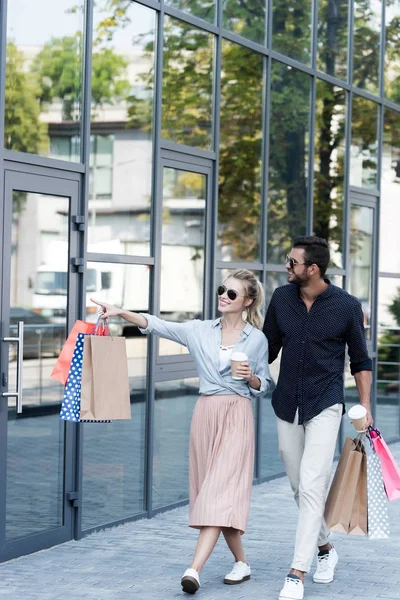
pixel 390 469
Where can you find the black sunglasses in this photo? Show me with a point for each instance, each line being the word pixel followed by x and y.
pixel 232 294
pixel 293 262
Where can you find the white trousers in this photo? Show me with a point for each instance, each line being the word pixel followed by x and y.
pixel 307 451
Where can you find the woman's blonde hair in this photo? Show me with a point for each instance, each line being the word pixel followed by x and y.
pixel 255 292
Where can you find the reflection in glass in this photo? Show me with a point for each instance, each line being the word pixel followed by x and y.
pixel 392 54
pixel 121 141
pixel 239 190
pixel 291 28
pixel 173 408
pixel 288 159
pixel 361 239
pixel 364 143
pixel 113 470
pixel 367 32
pixel 329 167
pixel 38 297
pixel 333 18
pixel 182 251
pixel 270 462
pixel 204 9
pixel 388 396
pixel 389 215
pixel 43 74
pixel 187 104
pixel 247 19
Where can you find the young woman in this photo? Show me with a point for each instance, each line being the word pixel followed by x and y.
pixel 221 453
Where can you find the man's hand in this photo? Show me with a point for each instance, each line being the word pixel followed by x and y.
pixel 370 420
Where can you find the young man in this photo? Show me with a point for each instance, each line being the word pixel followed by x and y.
pixel 312 321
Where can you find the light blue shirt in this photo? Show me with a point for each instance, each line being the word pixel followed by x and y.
pixel 203 340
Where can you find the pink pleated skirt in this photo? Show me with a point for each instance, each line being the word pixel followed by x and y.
pixel 221 462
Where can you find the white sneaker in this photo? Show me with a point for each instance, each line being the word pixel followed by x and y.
pixel 190 581
pixel 293 589
pixel 326 563
pixel 240 572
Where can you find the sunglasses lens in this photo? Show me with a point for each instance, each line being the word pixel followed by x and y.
pixel 232 295
pixel 220 290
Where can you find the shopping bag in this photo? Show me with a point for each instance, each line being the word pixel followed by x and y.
pixel 63 363
pixel 105 382
pixel 378 518
pixel 70 407
pixel 359 514
pixel 340 500
pixel 390 469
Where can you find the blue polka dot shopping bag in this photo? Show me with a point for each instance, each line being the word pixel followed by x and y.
pixel 71 404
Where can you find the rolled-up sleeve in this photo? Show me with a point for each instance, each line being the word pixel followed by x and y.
pixel 177 332
pixel 356 342
pixel 262 371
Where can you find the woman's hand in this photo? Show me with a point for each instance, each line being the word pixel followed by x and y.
pixel 107 310
pixel 244 371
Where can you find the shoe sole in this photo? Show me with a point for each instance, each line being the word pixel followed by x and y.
pixel 189 584
pixel 286 597
pixel 232 582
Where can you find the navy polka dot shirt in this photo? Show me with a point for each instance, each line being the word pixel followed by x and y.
pixel 313 349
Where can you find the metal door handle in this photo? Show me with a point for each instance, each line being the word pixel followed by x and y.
pixel 20 355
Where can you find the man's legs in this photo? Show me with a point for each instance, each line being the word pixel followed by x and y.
pixel 315 470
pixel 292 438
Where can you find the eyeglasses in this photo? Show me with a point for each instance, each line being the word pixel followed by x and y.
pixel 293 262
pixel 232 294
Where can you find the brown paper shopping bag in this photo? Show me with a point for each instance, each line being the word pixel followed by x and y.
pixel 340 500
pixel 359 515
pixel 105 383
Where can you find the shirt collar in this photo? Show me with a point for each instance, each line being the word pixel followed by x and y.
pixel 247 329
pixel 325 294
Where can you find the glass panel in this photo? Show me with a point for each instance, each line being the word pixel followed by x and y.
pixel 187 103
pixel 246 18
pixel 392 55
pixel 270 462
pixel 361 246
pixel 329 166
pixel 204 9
pixel 239 190
pixel 38 297
pixel 114 453
pixel 43 75
pixel 388 397
pixel 291 28
pixel 364 143
pixel 183 238
pixel 389 216
pixel 333 18
pixel 288 160
pixel 121 144
pixel 367 33
pixel 173 408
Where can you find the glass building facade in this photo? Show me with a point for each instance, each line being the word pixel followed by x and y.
pixel 147 148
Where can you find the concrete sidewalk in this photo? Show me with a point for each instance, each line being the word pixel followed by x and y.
pixel 145 560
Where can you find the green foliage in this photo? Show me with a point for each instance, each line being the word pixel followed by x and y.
pixel 23 131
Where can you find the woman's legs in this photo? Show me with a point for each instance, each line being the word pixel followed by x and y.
pixel 208 537
pixel 234 540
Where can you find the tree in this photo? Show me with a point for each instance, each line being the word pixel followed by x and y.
pixel 58 66
pixel 24 131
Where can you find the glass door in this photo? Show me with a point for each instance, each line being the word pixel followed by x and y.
pixel 35 307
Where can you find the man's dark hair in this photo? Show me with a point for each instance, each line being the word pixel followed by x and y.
pixel 316 251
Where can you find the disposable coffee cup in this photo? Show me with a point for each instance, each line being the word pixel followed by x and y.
pixel 358 415
pixel 236 359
